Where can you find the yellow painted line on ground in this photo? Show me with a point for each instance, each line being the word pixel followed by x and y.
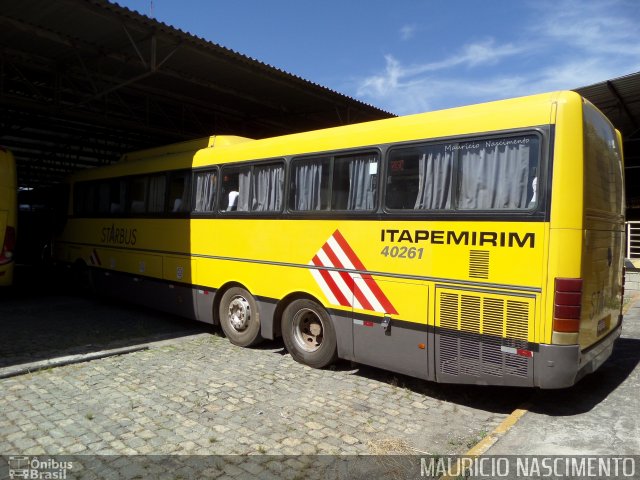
pixel 487 442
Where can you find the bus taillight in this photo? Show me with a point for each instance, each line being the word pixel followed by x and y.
pixel 566 305
pixel 6 255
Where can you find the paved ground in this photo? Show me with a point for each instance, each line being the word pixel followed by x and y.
pixel 200 395
pixel 205 396
pixel 40 320
pixel 598 416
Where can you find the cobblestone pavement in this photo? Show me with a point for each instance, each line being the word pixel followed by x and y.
pixel 205 396
pixel 41 320
pixel 200 395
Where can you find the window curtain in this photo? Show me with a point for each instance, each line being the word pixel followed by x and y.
pixel 362 185
pixel 434 177
pixel 104 197
pixel 186 194
pixel 205 192
pixel 138 195
pixel 308 185
pixel 494 177
pixel 244 187
pixel 268 185
pixel 156 193
pixel 117 196
pixel 182 202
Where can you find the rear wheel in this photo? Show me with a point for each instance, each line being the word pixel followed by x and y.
pixel 308 334
pixel 239 317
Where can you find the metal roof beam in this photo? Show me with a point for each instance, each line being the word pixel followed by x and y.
pixel 614 91
pixel 180 100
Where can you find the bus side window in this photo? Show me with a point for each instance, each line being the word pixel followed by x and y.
pixel 138 195
pixel 103 197
pixel 267 188
pixel 235 179
pixel 496 174
pixel 532 193
pixel 355 182
pixel 419 178
pixel 179 192
pixel 117 195
pixel 157 192
pixel 309 190
pixel 206 187
pixel 84 198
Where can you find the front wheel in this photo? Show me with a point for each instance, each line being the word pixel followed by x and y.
pixel 239 317
pixel 308 334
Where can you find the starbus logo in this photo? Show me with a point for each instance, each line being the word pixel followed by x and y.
pixel 115 235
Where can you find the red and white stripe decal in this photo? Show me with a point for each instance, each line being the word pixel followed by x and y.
pixel 94 258
pixel 340 287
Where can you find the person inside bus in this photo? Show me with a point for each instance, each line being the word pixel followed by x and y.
pixel 232 205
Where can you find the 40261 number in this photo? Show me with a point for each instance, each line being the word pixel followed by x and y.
pixel 412 253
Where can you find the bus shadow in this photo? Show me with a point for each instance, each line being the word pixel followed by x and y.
pixel 495 399
pixel 581 398
pixel 594 388
pixel 502 400
pixel 41 320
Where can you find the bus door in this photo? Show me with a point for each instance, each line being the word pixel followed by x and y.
pixel 393 333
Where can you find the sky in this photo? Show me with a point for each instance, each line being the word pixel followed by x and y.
pixel 410 56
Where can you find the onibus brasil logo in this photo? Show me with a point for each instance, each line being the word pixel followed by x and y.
pixel 35 468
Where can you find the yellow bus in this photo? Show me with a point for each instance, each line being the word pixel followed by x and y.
pixel 481 244
pixel 8 215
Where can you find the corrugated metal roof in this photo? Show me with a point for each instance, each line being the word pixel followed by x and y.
pixel 619 99
pixel 85 80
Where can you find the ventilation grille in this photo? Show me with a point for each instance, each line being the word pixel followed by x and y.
pixel 479 264
pixel 474 328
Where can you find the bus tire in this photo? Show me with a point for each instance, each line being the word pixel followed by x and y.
pixel 308 333
pixel 239 317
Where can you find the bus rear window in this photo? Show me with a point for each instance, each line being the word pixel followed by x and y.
pixel 602 163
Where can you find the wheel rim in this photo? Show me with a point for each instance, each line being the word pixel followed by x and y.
pixel 239 313
pixel 308 330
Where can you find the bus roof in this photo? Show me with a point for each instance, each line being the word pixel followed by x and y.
pixel 182 147
pixel 500 115
pixel 495 116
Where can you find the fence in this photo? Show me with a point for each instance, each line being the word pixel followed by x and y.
pixel 633 240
